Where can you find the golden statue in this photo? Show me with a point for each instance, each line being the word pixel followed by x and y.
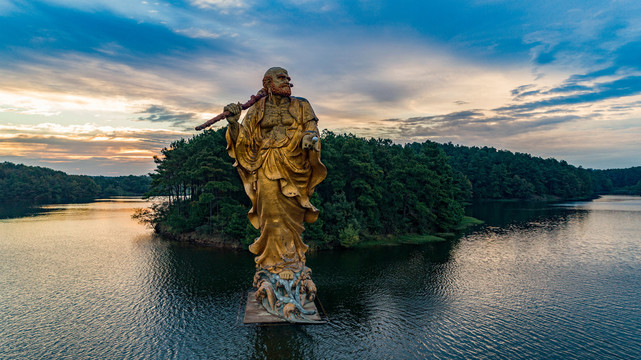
pixel 277 152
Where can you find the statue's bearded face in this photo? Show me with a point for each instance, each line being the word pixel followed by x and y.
pixel 279 84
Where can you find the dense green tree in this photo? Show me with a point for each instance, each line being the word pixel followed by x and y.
pixel 374 188
pixel 203 190
pixel 39 185
pixel 130 185
pixel 501 174
pixel 618 181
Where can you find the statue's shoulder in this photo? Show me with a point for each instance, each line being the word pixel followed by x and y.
pixel 308 112
pixel 256 108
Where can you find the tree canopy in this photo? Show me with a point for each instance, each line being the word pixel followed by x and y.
pixel 374 188
pixel 501 174
pixel 40 185
pixel 619 181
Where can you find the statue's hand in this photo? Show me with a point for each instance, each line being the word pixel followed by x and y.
pixel 310 142
pixel 235 111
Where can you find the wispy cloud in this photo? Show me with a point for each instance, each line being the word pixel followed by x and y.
pixel 198 33
pixel 105 146
pixel 158 113
pixel 505 74
pixel 93 85
pixel 219 4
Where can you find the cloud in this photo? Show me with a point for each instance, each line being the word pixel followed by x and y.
pixel 579 140
pixel 94 86
pixel 50 144
pixel 619 79
pixel 367 82
pixel 627 86
pixel 521 89
pixel 199 33
pixel 473 124
pixel 158 113
pixel 479 72
pixel 219 4
pixel 58 29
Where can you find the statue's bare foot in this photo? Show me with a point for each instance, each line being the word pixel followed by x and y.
pixel 286 275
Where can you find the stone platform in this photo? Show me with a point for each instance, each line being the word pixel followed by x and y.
pixel 255 314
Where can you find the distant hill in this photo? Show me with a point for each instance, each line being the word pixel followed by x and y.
pixel 40 185
pixel 619 181
pixel 502 174
pixel 130 185
pixel 480 173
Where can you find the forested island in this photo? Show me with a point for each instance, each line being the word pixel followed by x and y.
pixel 375 190
pixel 35 185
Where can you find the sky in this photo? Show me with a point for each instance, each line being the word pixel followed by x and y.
pixel 100 87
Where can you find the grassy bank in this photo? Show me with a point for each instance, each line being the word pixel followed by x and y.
pixel 467 221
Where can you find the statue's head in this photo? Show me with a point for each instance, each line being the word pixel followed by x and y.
pixel 276 81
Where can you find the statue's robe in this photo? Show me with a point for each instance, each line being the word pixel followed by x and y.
pixel 279 177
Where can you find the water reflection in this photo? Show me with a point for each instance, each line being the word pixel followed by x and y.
pixel 506 213
pixel 536 281
pixel 17 210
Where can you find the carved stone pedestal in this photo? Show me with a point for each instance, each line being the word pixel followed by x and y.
pixel 256 314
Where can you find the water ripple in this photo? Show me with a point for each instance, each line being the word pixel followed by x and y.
pixel 85 281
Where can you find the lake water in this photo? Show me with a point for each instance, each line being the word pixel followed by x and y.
pixel 84 281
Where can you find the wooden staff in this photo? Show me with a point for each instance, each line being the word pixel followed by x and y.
pixel 259 95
